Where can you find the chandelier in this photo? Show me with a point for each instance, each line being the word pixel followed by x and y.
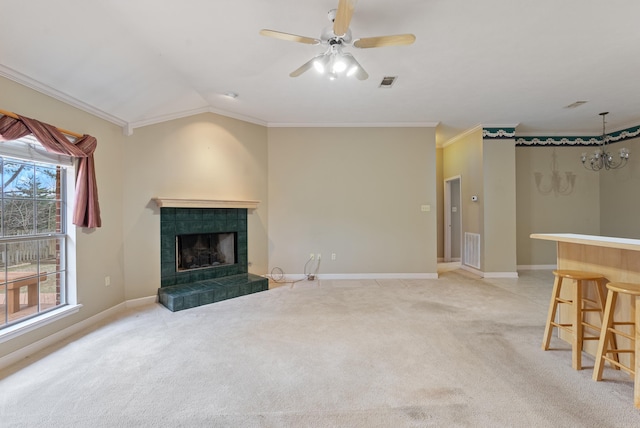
pixel 601 157
pixel 558 184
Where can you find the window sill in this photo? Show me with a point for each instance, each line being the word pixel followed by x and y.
pixel 26 326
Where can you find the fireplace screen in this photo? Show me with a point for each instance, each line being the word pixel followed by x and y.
pixel 205 250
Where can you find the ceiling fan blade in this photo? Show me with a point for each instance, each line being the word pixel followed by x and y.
pixel 304 67
pixel 290 37
pixel 378 42
pixel 343 17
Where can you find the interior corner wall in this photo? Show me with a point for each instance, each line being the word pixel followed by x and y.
pixel 206 156
pixel 619 195
pixel 499 205
pixel 440 204
pixel 355 192
pixel 98 251
pixel 545 211
pixel 463 158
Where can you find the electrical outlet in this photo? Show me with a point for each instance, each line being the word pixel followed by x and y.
pixel 333 256
pixel 312 256
pixel 107 281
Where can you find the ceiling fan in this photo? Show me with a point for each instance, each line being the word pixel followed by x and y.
pixel 334 61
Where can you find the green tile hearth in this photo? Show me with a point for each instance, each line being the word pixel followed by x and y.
pixel 179 297
pixel 191 288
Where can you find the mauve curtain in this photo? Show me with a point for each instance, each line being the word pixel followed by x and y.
pixel 86 212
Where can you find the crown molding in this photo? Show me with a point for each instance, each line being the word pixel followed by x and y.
pixel 488 131
pixel 53 93
pixel 186 113
pixel 356 125
pixel 500 125
pixel 462 135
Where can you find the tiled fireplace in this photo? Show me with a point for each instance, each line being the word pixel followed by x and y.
pixel 203 252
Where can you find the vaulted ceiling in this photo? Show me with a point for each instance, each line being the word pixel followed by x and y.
pixel 491 62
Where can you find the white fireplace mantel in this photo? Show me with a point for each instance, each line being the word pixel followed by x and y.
pixel 204 203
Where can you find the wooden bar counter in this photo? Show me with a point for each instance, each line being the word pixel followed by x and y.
pixel 618 259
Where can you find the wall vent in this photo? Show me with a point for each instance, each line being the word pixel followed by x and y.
pixel 388 81
pixel 472 249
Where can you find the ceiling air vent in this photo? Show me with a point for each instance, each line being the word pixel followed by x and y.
pixel 387 81
pixel 576 104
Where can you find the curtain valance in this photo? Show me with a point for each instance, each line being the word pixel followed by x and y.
pixel 86 211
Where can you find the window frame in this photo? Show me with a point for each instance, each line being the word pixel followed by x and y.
pixel 28 149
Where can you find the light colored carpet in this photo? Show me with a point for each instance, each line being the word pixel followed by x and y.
pixel 454 352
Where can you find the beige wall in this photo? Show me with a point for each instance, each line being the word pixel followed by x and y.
pixel 99 251
pixel 356 192
pixel 499 206
pixel 463 157
pixel 440 198
pixel 201 157
pixel 487 170
pixel 539 212
pixel 620 195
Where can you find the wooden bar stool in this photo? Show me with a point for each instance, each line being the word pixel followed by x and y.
pixel 609 330
pixel 580 304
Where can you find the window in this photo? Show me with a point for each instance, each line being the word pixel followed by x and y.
pixel 33 231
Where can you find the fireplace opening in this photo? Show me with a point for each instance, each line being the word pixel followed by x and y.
pixel 205 250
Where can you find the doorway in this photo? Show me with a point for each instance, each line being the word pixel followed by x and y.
pixel 452 220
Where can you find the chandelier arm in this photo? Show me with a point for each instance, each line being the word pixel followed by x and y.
pixel 601 158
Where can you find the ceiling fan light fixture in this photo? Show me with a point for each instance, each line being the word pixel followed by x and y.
pixel 354 68
pixel 339 64
pixel 321 62
pixel 337 36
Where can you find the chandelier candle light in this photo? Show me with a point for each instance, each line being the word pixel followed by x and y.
pixel 601 158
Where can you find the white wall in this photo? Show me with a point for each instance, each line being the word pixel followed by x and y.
pixel 356 192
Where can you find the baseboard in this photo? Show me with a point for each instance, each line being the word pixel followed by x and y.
pixel 353 276
pixel 472 270
pixel 490 274
pixel 500 275
pixel 537 267
pixel 338 276
pixel 134 303
pixel 59 336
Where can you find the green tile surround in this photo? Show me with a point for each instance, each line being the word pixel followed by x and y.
pixel 199 285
